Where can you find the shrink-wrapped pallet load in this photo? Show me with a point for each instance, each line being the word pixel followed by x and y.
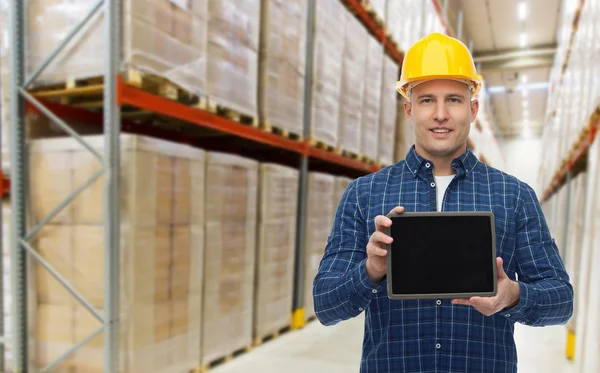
pixel 369 135
pixel 575 236
pixel 587 305
pixel 330 19
pixel 161 253
pixel 405 137
pixel 319 219
pixel 277 218
pixel 389 109
pixel 162 37
pixel 233 42
pixel 341 184
pixel 282 64
pixel 231 217
pixel 356 39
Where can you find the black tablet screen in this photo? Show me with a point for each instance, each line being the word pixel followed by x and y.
pixel 442 254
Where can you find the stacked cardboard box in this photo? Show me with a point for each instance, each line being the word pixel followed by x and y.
pixel 372 100
pixel 319 218
pixel 404 133
pixel 162 37
pixel 389 108
pixel 231 222
pixel 356 38
pixel 233 42
pixel 282 63
pixel 161 253
pixel 587 305
pixel 341 184
pixel 276 248
pixel 330 19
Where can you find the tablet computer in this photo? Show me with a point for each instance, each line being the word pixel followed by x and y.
pixel 441 255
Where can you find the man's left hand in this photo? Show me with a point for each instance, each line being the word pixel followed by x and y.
pixel 508 295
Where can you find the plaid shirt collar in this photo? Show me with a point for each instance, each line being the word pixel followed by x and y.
pixel 463 165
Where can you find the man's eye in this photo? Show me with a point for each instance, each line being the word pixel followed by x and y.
pixel 455 100
pixel 426 101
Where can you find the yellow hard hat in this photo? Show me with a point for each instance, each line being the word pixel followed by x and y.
pixel 438 56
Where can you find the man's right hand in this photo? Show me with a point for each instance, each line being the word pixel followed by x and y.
pixel 376 248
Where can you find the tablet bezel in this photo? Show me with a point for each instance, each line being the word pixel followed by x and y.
pixel 412 215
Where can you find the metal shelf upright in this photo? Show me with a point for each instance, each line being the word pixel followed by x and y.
pixel 110 159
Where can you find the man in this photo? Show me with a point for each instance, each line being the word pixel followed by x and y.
pixel 441 173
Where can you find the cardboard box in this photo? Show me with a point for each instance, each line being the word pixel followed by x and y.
pixel 276 250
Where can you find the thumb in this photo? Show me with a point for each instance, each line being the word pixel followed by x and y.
pixel 500 269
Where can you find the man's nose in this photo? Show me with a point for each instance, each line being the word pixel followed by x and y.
pixel 441 113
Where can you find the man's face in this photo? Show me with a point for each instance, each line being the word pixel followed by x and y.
pixel 441 112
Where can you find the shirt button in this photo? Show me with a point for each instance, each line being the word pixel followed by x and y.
pixel 374 291
pixel 432 185
pixel 439 302
pixel 438 346
pixel 508 315
pixel 427 165
pixel 360 309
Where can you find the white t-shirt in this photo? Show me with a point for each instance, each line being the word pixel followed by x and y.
pixel 441 183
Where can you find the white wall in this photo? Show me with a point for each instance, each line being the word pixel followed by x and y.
pixel 523 158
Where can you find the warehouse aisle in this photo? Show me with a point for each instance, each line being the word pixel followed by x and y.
pixel 336 349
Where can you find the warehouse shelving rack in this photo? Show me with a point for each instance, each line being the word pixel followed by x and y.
pixel 117 93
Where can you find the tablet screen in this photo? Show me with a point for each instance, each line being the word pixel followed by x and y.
pixel 442 254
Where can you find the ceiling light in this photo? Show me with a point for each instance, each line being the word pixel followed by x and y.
pixel 523 78
pixel 522 10
pixel 524 92
pixel 525 104
pixel 523 40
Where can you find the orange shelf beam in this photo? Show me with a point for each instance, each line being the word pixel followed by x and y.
pixel 578 151
pixel 150 102
pixel 443 19
pixel 359 10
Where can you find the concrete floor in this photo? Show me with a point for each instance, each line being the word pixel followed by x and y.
pixel 336 349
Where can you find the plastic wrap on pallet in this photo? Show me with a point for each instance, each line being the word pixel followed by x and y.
pixel 161 254
pixel 395 11
pixel 588 303
pixel 387 129
pixel 405 137
pixel 159 37
pixel 232 51
pixel 277 216
pixel 229 273
pixel 356 39
pixel 319 219
pixel 340 185
pixel 575 235
pixel 372 100
pixel 282 64
pixel 330 19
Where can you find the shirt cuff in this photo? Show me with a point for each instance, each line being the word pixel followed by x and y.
pixel 362 290
pixel 527 298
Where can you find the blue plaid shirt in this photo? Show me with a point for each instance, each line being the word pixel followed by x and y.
pixel 431 335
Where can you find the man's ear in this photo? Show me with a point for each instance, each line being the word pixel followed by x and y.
pixel 474 109
pixel 408 109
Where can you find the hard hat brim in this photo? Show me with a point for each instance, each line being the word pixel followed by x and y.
pixel 402 85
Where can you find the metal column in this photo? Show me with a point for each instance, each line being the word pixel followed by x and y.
pixel 298 315
pixel 109 318
pixel 18 186
pixel 112 126
pixel 565 238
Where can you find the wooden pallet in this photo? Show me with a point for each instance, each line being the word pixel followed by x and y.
pixel 221 110
pixel 322 145
pixel 351 155
pixel 222 360
pixel 311 319
pixel 258 341
pixel 367 160
pixel 266 125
